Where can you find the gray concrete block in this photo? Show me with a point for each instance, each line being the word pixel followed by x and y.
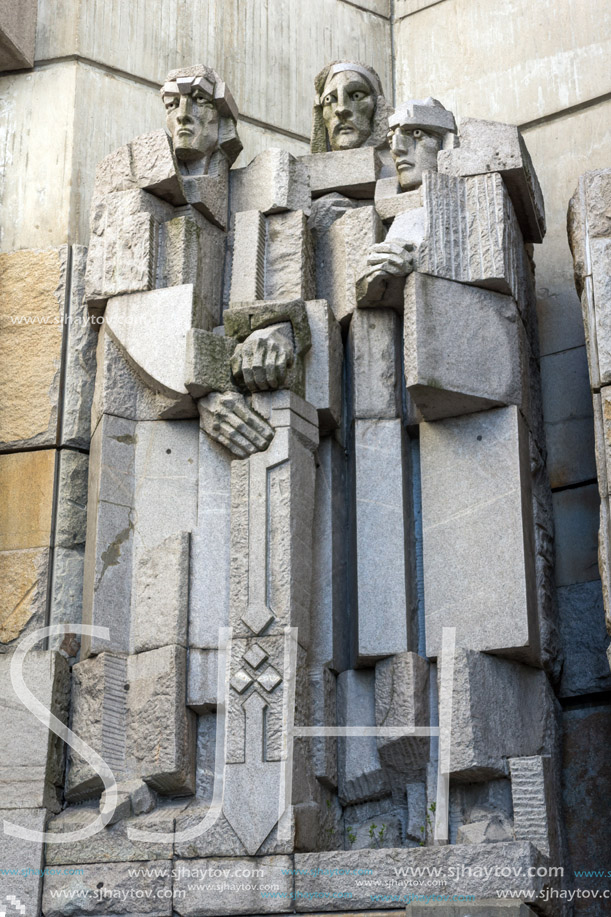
pixel 289 258
pixel 161 731
pixel 71 518
pixel 462 347
pixel 567 414
pixel 374 344
pixel 18 35
pixel 390 201
pixel 341 255
pixel 576 518
pixel 116 889
pixel 384 580
pixel 350 172
pixel 21 862
pixel 323 693
pixel 329 632
pixel 31 757
pixel 482 744
pixel 202 680
pixel 534 802
pixel 247 257
pixel 454 246
pixel 112 844
pixel 249 880
pixel 272 182
pixel 80 355
pixel 67 597
pixel 210 550
pixel 402 699
pixel 584 639
pixel 479 572
pixel 488 146
pixel 335 874
pixel 484 907
pixel 161 594
pixel 359 767
pixel 147 163
pixel 323 365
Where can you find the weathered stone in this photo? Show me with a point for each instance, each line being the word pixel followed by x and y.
pixel 390 201
pixel 272 500
pixel 21 862
pixel 208 367
pixel 359 767
pixel 32 770
pixel 110 529
pixel 576 518
pixel 567 414
pixel 80 356
pixel 323 365
pixel 402 699
pixel 375 363
pixel 67 597
pixel 329 634
pixel 462 348
pixel 490 907
pixel 161 594
pixel 161 730
pixel 323 691
pixel 289 258
pixel 415 828
pixel 488 146
pixel 584 640
pixel 384 579
pixel 478 534
pixel 26 482
pixel 248 257
pixel 210 547
pixel 32 307
pixel 18 36
pixel 99 719
pixel 115 889
pixel 151 330
pixel 202 680
pixel 472 871
pixel 272 182
pixel 246 880
pixel 111 844
pixel 534 802
pixel 341 254
pixel 351 172
pixel 491 829
pixel 147 163
pixel 373 824
pixel 481 745
pixel 457 246
pixel 123 248
pixel 24 575
pixel 71 518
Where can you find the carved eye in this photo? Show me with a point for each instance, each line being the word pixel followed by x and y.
pixel 171 103
pixel 358 95
pixel 328 99
pixel 201 99
pixel 418 134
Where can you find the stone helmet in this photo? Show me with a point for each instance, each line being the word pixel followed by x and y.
pixel 427 114
pixel 319 142
pixel 182 80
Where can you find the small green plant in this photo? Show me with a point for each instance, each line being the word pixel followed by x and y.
pixel 351 834
pixel 377 838
pixel 429 823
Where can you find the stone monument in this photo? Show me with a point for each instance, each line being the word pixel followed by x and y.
pixel 319 525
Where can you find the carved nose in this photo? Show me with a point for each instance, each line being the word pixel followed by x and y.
pixel 184 110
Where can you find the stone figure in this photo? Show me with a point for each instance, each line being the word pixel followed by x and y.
pixel 317 451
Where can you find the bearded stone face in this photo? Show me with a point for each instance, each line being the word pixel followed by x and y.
pixel 348 108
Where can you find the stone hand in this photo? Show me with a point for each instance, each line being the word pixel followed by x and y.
pixel 228 419
pixel 394 257
pixel 262 361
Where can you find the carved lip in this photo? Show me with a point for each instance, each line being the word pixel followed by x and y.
pixel 403 164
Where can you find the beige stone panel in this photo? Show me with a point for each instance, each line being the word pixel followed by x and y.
pixel 268 52
pixel 561 150
pixel 511 62
pixel 26 499
pixel 31 290
pixel 23 575
pixel 36 119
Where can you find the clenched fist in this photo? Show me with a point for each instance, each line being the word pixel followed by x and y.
pixel 262 361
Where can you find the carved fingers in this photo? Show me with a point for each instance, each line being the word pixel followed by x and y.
pixel 262 361
pixel 228 419
pixel 391 257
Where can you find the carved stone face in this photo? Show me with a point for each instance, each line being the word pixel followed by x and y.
pixel 348 108
pixel 414 151
pixel 193 122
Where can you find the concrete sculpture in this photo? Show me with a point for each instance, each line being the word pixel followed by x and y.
pixel 317 456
